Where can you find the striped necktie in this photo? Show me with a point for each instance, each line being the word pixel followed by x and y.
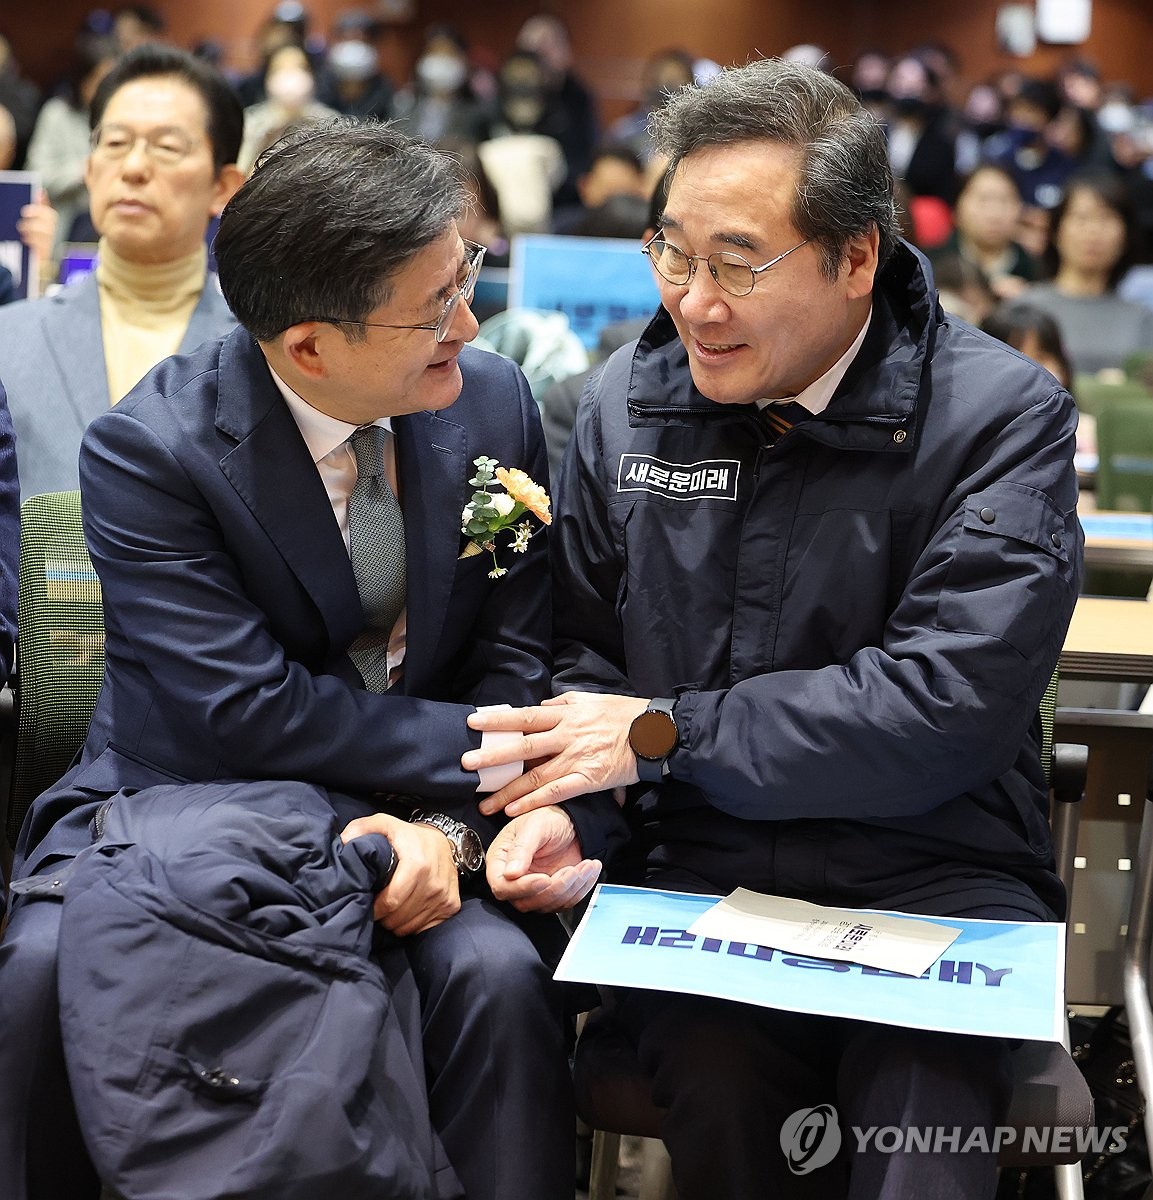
pixel 376 547
pixel 779 418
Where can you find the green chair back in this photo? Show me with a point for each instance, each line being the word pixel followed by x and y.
pixel 59 647
pixel 1125 456
pixel 1093 395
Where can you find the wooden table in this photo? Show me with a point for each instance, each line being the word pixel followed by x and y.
pixel 1109 639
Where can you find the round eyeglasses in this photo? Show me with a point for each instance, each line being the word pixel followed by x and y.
pixel 473 257
pixel 732 272
pixel 165 147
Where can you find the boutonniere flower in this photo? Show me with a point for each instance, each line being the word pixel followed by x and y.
pixel 490 513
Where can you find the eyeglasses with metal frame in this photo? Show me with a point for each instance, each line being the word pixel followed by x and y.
pixel 474 256
pixel 735 274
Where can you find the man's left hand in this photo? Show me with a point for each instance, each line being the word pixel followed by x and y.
pixel 577 742
pixel 535 863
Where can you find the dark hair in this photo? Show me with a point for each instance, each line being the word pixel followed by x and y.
pixel 225 114
pixel 987 168
pixel 1012 322
pixel 329 215
pixel 621 151
pixel 844 182
pixel 615 217
pixel 1112 191
pixel 1042 94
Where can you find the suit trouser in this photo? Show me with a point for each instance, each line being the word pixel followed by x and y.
pixel 731 1074
pixel 494 1054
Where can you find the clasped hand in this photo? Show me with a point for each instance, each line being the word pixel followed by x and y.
pixel 576 743
pixel 424 889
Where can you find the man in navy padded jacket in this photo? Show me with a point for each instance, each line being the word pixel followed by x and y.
pixel 816 553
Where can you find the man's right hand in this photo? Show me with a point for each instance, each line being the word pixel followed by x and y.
pixel 424 889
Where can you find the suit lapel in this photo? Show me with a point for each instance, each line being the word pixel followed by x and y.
pixel 433 467
pixel 274 475
pixel 74 337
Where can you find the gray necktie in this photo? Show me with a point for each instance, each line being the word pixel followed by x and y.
pixel 376 547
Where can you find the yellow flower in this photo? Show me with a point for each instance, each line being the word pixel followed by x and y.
pixel 522 489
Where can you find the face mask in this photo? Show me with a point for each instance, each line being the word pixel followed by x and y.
pixel 441 72
pixel 910 106
pixel 352 60
pixel 291 87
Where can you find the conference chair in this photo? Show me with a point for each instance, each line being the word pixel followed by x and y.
pixel 59 649
pixel 613 1093
pixel 1125 455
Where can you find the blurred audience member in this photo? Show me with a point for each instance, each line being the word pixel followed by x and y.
pixel 290 88
pixel 136 25
pixel 286 25
pixel 615 172
pixel 1036 334
pixel 922 132
pixel 355 85
pixel 963 288
pixel 570 113
pixel 58 152
pixel 8 143
pixel 986 217
pixel 1023 149
pixel 440 105
pixel 663 73
pixel 982 116
pixel 21 98
pixel 1091 245
pixel 525 163
pixel 868 77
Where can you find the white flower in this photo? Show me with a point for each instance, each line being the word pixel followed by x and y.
pixel 497 572
pixel 503 503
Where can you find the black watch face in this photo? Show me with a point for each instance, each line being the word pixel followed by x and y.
pixel 471 850
pixel 653 735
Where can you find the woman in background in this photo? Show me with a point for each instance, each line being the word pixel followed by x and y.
pixel 1091 245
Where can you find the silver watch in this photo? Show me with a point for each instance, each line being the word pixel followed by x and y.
pixel 467 848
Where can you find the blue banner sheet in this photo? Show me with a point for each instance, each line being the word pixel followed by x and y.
pixel 593 281
pixel 998 979
pixel 17 188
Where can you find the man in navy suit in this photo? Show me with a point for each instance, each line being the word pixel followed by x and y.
pixel 217 514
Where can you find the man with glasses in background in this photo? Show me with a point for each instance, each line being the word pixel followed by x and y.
pixel 276 523
pixel 166 133
pixel 816 552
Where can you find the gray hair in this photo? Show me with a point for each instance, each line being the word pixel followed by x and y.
pixel 844 181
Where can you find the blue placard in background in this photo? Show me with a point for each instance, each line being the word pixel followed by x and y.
pixel 593 281
pixel 17 188
pixel 998 979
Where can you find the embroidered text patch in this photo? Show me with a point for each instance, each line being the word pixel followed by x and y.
pixel 712 479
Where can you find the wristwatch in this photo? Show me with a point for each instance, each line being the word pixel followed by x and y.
pixel 467 848
pixel 653 737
